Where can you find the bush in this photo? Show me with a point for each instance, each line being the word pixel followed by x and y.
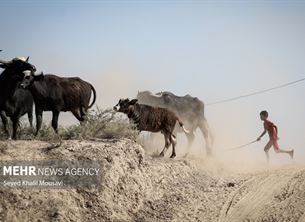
pixel 102 124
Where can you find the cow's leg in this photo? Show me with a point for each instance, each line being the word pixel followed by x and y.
pixel 204 127
pixel 167 143
pixel 83 112
pixel 78 116
pixel 173 141
pixel 30 117
pixel 38 113
pixel 190 139
pixel 5 123
pixel 15 127
pixel 55 120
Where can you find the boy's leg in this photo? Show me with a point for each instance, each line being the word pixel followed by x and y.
pixel 278 150
pixel 267 148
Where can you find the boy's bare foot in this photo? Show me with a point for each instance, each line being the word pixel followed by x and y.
pixel 291 154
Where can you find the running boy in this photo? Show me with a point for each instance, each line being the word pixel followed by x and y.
pixel 272 131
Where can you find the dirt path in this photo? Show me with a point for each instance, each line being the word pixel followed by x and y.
pixel 269 196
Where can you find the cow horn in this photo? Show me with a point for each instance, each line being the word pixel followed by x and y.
pixel 157 95
pixel 39 74
pixel 27 59
pixel 3 62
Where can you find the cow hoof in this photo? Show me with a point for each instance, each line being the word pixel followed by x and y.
pixel 173 156
pixel 162 154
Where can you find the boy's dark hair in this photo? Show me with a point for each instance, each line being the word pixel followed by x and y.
pixel 264 113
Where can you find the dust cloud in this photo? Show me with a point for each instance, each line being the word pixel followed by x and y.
pixel 231 125
pixel 230 130
pixel 120 80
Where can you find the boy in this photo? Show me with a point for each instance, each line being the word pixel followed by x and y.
pixel 272 131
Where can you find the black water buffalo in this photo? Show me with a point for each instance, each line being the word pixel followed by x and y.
pixel 14 102
pixel 189 109
pixel 56 94
pixel 152 119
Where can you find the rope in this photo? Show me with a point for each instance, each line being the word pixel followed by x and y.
pixel 238 147
pixel 255 93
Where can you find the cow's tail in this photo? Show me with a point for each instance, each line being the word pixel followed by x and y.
pixel 182 126
pixel 94 96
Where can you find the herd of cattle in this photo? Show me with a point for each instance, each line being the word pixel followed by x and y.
pixel 21 87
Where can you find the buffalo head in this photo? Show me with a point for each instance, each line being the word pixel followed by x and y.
pixel 124 104
pixel 17 65
pixel 14 69
pixel 29 78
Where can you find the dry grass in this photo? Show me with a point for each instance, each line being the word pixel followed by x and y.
pixel 102 124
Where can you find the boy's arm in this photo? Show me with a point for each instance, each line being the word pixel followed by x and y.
pixel 276 129
pixel 259 138
pixel 276 132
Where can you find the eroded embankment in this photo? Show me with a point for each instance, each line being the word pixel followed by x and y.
pixel 138 187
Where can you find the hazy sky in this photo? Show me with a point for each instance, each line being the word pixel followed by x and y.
pixel 212 50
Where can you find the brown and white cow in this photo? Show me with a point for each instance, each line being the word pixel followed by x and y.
pixel 152 119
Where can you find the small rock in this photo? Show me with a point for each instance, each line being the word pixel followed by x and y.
pixel 109 159
pixel 230 184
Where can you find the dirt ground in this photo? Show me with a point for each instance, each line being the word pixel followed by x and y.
pixel 139 187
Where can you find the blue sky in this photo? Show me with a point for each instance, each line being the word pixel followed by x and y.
pixel 209 49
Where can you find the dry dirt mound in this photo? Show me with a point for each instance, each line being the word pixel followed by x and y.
pixel 137 187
